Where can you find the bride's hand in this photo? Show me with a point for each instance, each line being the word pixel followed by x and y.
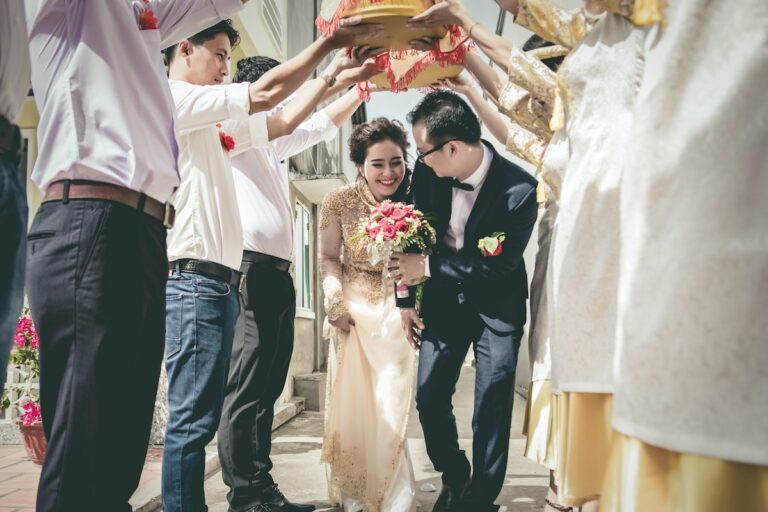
pixel 343 323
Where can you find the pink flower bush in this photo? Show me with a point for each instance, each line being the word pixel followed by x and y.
pixel 31 413
pixel 26 334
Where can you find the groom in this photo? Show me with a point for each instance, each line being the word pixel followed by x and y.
pixel 473 296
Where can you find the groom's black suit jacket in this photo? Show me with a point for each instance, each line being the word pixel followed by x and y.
pixel 496 287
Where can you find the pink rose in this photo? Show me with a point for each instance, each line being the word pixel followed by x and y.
pixel 389 232
pixel 399 214
pixel 386 208
pixel 402 227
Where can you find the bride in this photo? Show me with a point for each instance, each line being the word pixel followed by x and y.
pixel 371 366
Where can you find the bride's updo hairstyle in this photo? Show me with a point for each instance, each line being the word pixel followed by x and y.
pixel 380 129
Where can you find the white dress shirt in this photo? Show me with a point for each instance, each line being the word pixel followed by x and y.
pixel 462 203
pixel 261 182
pixel 106 113
pixel 14 59
pixel 207 223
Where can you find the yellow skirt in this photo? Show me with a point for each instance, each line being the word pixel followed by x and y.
pixel 644 478
pixel 537 427
pixel 583 434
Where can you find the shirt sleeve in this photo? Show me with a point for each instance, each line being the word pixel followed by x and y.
pixel 251 133
pixel 14 59
pixel 319 127
pixel 200 106
pixel 178 19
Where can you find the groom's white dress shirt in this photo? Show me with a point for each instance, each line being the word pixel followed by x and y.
pixel 462 203
pixel 106 113
pixel 207 223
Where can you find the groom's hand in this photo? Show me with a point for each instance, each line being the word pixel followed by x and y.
pixel 408 269
pixel 412 325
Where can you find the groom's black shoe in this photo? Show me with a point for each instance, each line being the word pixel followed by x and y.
pixel 452 492
pixel 275 501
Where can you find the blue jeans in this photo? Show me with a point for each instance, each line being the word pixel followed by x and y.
pixel 201 314
pixel 13 251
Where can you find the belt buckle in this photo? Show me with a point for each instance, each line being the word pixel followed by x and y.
pixel 169 216
pixel 241 285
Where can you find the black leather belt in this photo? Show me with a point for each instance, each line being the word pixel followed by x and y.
pixel 266 259
pixel 209 269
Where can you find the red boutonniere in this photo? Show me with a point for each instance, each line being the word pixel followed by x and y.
pixel 227 142
pixel 147 18
pixel 491 245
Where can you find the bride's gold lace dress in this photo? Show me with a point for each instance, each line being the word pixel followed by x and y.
pixel 370 369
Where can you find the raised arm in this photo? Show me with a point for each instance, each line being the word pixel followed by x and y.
pixel 287 119
pixel 279 82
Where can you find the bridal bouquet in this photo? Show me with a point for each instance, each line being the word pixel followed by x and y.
pixel 395 227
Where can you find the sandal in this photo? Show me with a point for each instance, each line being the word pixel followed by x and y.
pixel 557 506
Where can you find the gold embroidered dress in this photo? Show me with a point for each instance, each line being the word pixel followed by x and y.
pixel 371 369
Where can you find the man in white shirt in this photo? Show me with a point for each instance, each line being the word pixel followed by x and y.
pixel 14 84
pixel 205 245
pixel 97 248
pixel 264 337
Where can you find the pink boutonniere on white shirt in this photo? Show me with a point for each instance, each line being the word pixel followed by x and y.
pixel 147 18
pixel 227 142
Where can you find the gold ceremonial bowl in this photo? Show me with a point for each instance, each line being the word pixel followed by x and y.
pixel 393 15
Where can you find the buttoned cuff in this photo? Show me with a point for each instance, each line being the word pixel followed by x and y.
pixel 238 100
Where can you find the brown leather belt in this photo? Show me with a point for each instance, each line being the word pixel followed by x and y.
pixel 81 189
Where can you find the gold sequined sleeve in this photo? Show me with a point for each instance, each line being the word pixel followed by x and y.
pixel 531 74
pixel 525 110
pixel 544 18
pixel 525 144
pixel 330 238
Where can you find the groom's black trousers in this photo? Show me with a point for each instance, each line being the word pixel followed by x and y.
pixel 451 328
pixel 96 279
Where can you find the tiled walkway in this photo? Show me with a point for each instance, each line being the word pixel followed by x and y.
pixel 19 476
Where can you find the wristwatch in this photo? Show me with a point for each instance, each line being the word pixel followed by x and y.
pixel 330 80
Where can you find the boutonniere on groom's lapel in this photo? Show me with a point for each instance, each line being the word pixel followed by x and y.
pixel 147 18
pixel 491 245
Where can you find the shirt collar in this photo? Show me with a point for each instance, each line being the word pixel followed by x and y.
pixel 477 178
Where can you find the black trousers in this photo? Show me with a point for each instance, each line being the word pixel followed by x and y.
pixel 449 332
pixel 261 354
pixel 96 281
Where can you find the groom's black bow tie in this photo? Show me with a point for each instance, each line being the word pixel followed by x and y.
pixel 462 186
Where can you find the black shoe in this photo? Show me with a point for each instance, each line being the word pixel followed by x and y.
pixel 259 508
pixel 450 496
pixel 275 501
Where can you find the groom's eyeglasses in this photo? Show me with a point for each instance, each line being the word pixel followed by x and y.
pixel 421 156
